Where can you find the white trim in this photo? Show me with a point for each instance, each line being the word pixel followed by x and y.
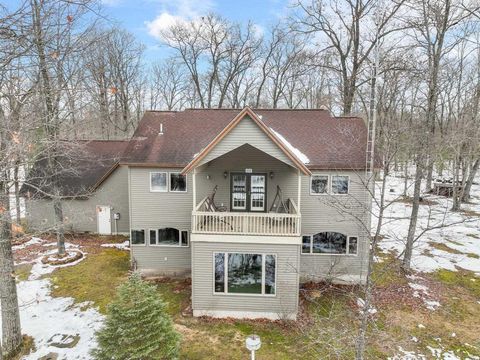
pixel 225 274
pixel 331 185
pixel 166 178
pixel 244 314
pixel 326 189
pixel 347 253
pixel 246 239
pixel 170 183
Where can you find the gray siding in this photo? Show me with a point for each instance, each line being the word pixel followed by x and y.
pixel 340 213
pixel 286 299
pixel 246 131
pixel 155 210
pixel 237 161
pixel 80 215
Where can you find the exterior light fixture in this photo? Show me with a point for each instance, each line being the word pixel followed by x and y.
pixel 253 343
pixel 208 177
pixel 225 174
pixel 272 174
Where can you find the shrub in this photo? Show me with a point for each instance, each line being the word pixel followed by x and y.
pixel 137 326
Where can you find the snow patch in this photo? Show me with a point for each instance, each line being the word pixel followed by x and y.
pixel 121 246
pixel 301 156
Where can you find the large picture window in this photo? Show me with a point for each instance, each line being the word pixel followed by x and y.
pixel 169 237
pixel 178 183
pixel 237 273
pixel 329 243
pixel 319 184
pixel 340 184
pixel 137 237
pixel 158 181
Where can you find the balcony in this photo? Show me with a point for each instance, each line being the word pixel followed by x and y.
pixel 207 220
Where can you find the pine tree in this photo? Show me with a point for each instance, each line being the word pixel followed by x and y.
pixel 137 326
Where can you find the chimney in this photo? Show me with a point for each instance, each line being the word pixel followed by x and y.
pixel 161 129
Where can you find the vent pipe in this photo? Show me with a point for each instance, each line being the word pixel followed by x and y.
pixel 161 129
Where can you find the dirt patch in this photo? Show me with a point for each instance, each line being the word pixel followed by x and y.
pixel 423 201
pixel 444 247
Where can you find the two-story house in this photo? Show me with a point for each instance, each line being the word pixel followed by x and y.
pixel 249 203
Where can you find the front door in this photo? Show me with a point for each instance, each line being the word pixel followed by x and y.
pixel 104 221
pixel 248 192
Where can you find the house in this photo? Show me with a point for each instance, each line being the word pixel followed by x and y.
pixel 250 203
pixel 92 185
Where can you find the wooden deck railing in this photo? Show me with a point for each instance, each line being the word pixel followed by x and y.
pixel 247 223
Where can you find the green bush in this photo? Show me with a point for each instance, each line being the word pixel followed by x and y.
pixel 137 326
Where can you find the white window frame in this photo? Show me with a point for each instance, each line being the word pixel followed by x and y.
pixel 327 188
pixel 225 273
pixel 170 183
pixel 145 240
pixel 347 253
pixel 164 245
pixel 167 176
pixel 331 185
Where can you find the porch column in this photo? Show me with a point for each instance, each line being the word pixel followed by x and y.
pixel 194 191
pixel 299 195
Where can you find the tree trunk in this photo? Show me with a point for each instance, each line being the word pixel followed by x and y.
pixel 11 331
pixel 17 193
pixel 59 229
pixel 413 217
pixel 469 182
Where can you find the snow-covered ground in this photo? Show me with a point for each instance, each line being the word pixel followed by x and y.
pixel 454 240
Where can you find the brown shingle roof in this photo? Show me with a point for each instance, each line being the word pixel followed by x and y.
pixel 328 142
pixel 81 166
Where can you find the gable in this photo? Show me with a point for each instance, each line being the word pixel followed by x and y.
pixel 246 132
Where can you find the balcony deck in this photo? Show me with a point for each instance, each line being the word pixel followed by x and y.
pixel 247 223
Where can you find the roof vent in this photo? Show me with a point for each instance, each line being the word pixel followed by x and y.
pixel 161 129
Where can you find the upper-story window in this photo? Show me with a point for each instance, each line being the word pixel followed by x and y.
pixel 340 184
pixel 178 182
pixel 319 184
pixel 329 242
pixel 162 181
pixel 158 181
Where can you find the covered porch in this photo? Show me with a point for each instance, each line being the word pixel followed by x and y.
pixel 246 192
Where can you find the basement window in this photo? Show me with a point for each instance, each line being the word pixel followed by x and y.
pixel 169 237
pixel 245 274
pixel 329 242
pixel 137 237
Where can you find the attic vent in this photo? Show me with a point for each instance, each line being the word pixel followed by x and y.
pixel 161 129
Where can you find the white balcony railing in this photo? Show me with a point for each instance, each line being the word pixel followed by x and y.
pixel 247 223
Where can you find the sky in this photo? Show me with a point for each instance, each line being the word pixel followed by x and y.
pixel 144 18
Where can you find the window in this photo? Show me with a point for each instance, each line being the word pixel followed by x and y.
pixel 319 184
pixel 158 181
pixel 137 237
pixel 169 237
pixel 340 184
pixel 178 183
pixel 306 244
pixel 237 273
pixel 329 243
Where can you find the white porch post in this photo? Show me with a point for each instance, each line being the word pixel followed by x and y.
pixel 194 191
pixel 299 195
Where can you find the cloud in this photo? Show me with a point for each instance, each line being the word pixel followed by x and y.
pixel 177 11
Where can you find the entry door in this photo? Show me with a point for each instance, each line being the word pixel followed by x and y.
pixel 248 192
pixel 104 220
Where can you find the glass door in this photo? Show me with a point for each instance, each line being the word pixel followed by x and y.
pixel 257 192
pixel 239 192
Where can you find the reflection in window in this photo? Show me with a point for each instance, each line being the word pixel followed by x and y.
pixel 306 242
pixel 319 184
pixel 329 243
pixel 352 245
pixel 137 237
pixel 220 272
pixel 158 181
pixel 168 236
pixel 340 184
pixel 153 237
pixel 178 183
pixel 246 273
